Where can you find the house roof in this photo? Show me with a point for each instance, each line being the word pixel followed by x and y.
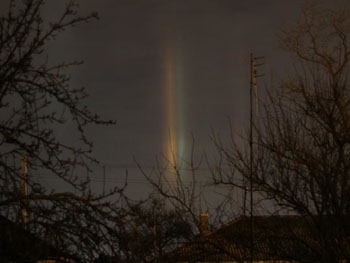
pixel 275 238
pixel 19 245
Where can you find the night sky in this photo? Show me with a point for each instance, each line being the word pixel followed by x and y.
pixel 207 43
pixel 170 66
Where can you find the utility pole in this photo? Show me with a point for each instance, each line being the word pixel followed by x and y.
pixel 24 188
pixel 253 92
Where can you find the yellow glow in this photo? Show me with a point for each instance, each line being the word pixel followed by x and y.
pixel 170 142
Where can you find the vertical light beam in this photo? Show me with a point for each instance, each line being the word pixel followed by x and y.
pixel 174 116
pixel 170 129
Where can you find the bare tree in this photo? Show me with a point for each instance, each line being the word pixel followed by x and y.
pixel 150 229
pixel 175 181
pixel 184 188
pixel 302 143
pixel 36 101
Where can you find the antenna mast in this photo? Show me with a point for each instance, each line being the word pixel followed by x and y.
pixel 253 93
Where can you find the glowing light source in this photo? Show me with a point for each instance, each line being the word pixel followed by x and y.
pixel 174 117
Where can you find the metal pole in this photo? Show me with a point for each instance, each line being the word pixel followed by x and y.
pixel 252 84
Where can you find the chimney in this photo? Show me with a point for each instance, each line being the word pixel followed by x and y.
pixel 204 226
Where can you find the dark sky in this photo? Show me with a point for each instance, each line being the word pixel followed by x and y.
pixel 126 67
pixel 204 44
pixel 126 56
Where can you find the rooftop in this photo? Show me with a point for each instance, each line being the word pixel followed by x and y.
pixel 275 238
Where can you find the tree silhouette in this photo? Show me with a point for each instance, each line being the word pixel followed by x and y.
pixel 302 142
pixel 36 101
